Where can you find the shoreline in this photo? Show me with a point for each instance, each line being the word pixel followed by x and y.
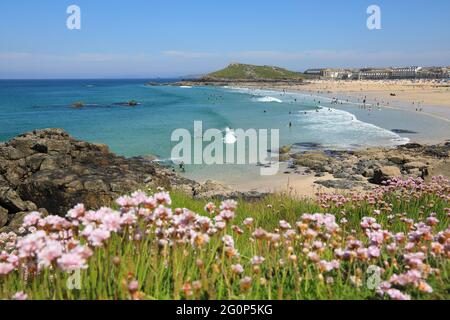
pixel 305 185
pixel 439 113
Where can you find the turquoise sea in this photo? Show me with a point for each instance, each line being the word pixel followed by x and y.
pixel 146 129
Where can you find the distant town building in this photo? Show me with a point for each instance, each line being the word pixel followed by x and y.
pixel 412 72
pixel 433 73
pixel 405 73
pixel 375 74
pixel 330 73
pixel 314 72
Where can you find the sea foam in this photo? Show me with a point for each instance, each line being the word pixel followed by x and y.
pixel 345 125
pixel 269 99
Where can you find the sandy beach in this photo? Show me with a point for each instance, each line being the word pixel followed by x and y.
pixel 427 96
pixel 420 92
pixel 298 186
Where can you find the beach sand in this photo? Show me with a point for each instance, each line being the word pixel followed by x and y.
pixel 431 93
pixel 295 185
pixel 427 96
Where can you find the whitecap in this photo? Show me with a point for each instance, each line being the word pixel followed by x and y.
pixel 332 123
pixel 269 99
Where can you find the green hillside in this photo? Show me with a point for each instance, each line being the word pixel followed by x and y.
pixel 237 71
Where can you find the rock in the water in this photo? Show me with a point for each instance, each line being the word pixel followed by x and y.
pixel 405 131
pixel 385 173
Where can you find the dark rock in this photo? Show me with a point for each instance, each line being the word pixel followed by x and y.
pixel 308 145
pixel 319 174
pixel 348 176
pixel 3 217
pixel 368 173
pixel 16 222
pixel 34 162
pixel 49 169
pixel 12 201
pixel 438 151
pixel 339 184
pixel 404 131
pixel 385 173
pixel 411 146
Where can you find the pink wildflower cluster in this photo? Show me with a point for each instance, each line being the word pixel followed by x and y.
pixel 404 190
pixel 68 243
pixel 317 246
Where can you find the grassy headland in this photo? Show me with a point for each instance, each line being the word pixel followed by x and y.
pixel 247 72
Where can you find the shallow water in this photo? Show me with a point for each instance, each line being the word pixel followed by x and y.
pixel 147 128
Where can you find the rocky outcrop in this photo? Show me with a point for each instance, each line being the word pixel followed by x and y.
pixel 215 190
pixel 49 169
pixel 3 217
pixel 375 165
pixel 385 173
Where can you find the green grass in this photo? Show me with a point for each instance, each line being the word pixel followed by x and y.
pixel 184 272
pixel 252 72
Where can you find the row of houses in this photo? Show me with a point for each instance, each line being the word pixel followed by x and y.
pixel 412 72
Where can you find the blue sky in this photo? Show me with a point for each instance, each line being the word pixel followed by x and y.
pixel 150 38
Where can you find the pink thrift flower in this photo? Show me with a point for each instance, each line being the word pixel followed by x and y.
pixel 128 219
pixel 397 295
pixel 139 198
pixel 31 219
pixel 5 268
pixel 230 205
pixel 98 236
pixel 257 260
pixel 70 262
pixel 125 201
pixel 48 254
pixel 111 221
pixel 227 215
pixel 163 198
pixel 237 269
pixel 228 241
pixel 77 212
pixel 20 296
pixel 248 222
pixel 374 252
